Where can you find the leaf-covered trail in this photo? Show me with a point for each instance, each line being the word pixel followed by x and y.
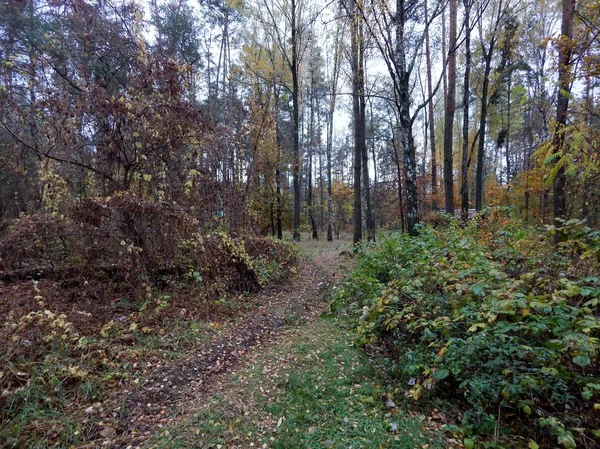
pixel 167 393
pixel 286 375
pixel 302 385
pixel 312 389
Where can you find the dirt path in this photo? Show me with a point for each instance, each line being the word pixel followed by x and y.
pixel 305 385
pixel 167 394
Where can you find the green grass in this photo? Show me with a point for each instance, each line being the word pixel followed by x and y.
pixel 313 389
pixel 38 418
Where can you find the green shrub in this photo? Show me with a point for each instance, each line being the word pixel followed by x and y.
pixel 501 321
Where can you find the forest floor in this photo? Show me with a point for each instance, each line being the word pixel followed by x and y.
pixel 286 375
pixel 173 392
pixel 283 373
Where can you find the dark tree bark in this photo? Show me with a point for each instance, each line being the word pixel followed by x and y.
pixel 290 12
pixel 444 58
pixel 509 165
pixel 482 125
pixel 329 149
pixel 396 154
pixel 296 122
pixel 562 106
pixel 321 181
pixel 278 194
pixel 464 181
pixel 434 182
pixel 449 113
pixel 357 82
pixel 279 209
pixel 387 28
pixel 487 54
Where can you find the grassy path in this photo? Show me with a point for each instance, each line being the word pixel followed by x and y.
pixel 166 393
pixel 277 373
pixel 312 389
pixel 309 387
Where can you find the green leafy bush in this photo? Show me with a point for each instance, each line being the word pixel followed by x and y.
pixel 489 314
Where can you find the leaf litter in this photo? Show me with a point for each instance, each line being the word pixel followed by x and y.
pixel 163 394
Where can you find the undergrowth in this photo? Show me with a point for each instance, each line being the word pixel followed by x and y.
pixel 55 380
pixel 491 317
pixel 134 286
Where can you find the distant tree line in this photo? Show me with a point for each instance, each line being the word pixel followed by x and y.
pixel 235 109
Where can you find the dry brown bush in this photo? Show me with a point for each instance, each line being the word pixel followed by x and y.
pixel 129 239
pixel 36 242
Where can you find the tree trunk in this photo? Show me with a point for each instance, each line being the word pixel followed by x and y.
pixel 464 181
pixel 278 195
pixel 363 132
pixel 444 57
pixel 479 181
pixel 434 186
pixel 321 183
pixel 449 113
pixel 329 149
pixel 329 201
pixel 399 174
pixel 527 166
pixel 562 106
pixel 509 167
pixel 402 99
pixel 374 164
pixel 296 120
pixel 272 217
pixel 356 114
pixel 334 80
pixel 367 190
pixel 311 211
pixel 587 187
pixel 279 209
pixel 545 206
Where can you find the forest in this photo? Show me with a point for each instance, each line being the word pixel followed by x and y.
pixel 180 180
pixel 276 115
